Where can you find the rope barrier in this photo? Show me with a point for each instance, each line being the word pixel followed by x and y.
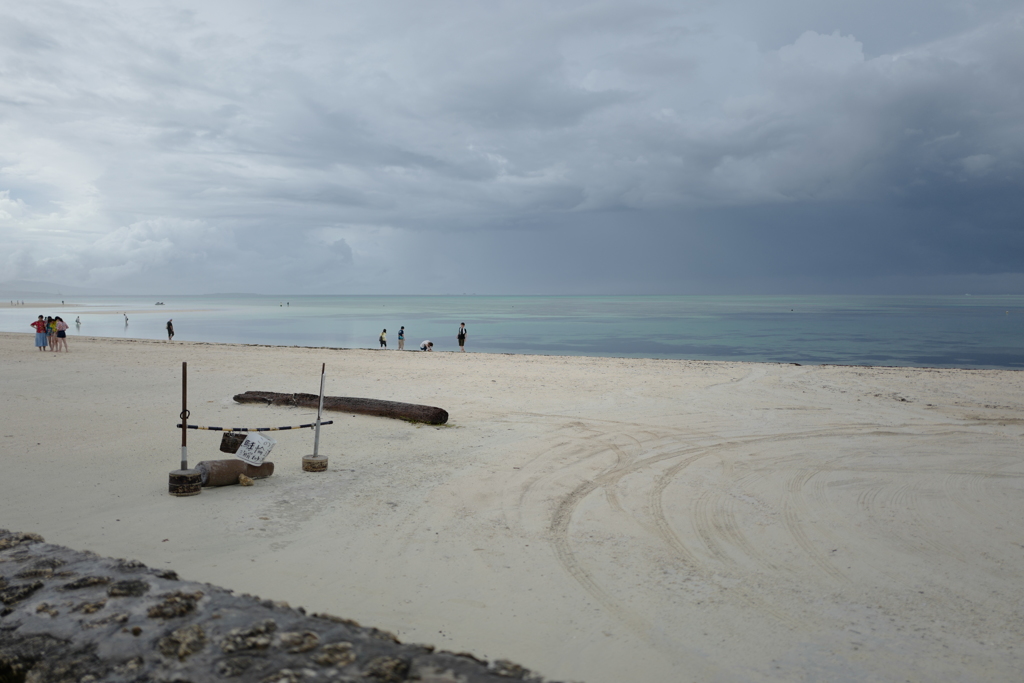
pixel 256 429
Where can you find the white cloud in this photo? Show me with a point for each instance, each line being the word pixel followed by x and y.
pixel 10 209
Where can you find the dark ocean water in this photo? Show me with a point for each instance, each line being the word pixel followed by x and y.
pixel 930 331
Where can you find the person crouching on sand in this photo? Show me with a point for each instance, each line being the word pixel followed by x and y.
pixel 62 333
pixel 41 337
pixel 427 346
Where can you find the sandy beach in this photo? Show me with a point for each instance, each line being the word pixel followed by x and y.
pixel 594 519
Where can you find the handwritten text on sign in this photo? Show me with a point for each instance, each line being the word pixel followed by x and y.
pixel 255 449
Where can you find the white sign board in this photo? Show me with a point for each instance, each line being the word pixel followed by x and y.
pixel 255 449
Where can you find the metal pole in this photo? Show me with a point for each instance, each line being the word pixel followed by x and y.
pixel 184 414
pixel 319 411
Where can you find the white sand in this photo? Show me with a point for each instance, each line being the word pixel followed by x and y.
pixel 593 519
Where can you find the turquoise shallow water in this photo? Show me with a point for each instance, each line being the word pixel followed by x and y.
pixel 933 331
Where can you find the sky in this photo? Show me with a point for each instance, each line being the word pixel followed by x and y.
pixel 514 147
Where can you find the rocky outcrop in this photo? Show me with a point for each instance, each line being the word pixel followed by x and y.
pixel 69 616
pixel 347 404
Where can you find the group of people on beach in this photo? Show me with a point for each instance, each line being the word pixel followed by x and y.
pixel 426 344
pixel 51 332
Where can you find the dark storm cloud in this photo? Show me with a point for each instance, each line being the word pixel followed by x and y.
pixel 526 147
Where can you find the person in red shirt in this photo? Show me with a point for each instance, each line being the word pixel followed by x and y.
pixel 42 338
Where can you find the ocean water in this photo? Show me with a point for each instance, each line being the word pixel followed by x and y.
pixel 925 331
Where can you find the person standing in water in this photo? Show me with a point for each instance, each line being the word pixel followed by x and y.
pixel 401 338
pixel 462 337
pixel 170 329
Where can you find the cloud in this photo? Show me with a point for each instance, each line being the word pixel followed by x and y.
pixel 826 53
pixel 327 144
pixel 10 209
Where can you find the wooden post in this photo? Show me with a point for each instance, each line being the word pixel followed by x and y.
pixel 184 415
pixel 317 462
pixel 319 412
pixel 184 482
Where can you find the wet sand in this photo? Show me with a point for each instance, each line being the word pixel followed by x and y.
pixel 594 519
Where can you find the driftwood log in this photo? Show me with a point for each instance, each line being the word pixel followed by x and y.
pixel 225 472
pixel 346 404
pixel 74 616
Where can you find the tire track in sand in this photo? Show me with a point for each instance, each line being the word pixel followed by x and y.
pixel 713 516
pixel 563 516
